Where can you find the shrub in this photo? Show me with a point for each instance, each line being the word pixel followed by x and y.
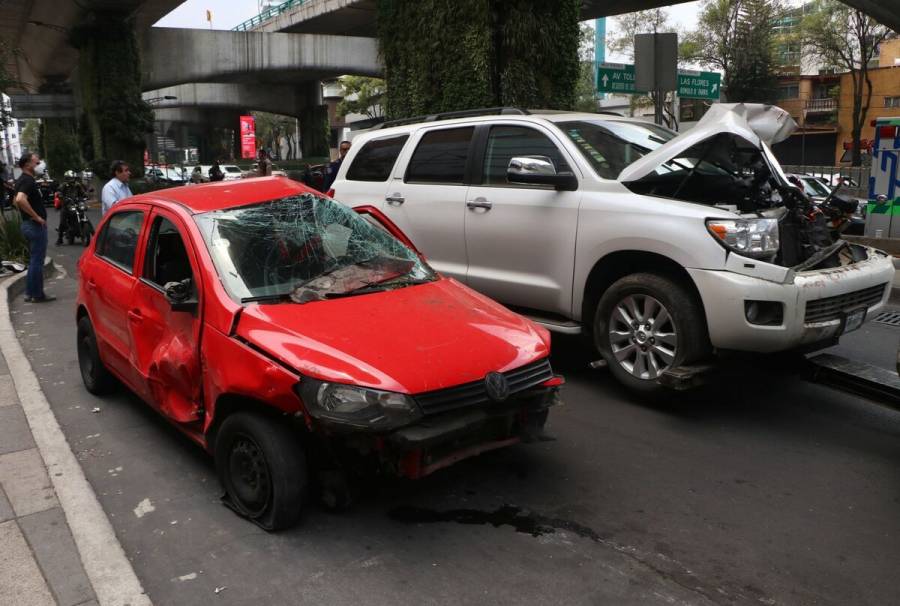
pixel 13 245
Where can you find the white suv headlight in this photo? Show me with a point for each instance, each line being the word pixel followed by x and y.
pixel 757 238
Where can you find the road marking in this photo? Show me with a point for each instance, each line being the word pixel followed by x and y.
pixel 111 574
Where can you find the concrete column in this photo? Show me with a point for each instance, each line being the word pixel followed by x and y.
pixel 313 118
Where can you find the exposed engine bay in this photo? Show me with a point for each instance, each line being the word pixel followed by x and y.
pixel 729 172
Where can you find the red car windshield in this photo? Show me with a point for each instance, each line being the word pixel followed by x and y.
pixel 305 248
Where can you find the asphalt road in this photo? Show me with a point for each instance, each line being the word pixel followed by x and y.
pixel 764 489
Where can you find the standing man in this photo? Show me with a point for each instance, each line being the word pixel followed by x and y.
pixel 30 203
pixel 215 172
pixel 264 167
pixel 116 188
pixel 333 167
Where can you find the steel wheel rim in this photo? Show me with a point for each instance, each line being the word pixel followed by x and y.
pixel 249 475
pixel 642 336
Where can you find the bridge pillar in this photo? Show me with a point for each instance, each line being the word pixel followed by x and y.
pixel 313 117
pixel 115 116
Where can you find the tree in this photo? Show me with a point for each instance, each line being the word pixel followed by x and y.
pixel 362 96
pixel 711 44
pixel 751 75
pixel 846 38
pixel 271 129
pixel 586 88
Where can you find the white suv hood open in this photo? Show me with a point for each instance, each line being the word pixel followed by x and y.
pixel 756 123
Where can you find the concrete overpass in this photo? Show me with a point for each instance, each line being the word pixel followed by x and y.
pixel 178 56
pixel 284 99
pixel 40 30
pixel 358 17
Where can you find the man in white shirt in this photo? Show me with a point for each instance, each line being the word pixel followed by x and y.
pixel 117 187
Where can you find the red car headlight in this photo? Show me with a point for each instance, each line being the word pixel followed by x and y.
pixel 357 407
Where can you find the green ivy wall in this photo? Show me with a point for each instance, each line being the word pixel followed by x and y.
pixel 115 118
pixel 447 56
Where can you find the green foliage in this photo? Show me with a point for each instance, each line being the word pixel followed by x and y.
pixel 30 134
pixel 60 146
pixel 13 245
pixel 361 96
pixel 752 75
pixel 445 56
pixel 711 44
pixel 110 76
pixel 626 26
pixel 586 88
pixel 737 38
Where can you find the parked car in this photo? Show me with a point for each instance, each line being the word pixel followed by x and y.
pixel 253 171
pixel 661 248
pixel 163 174
pixel 231 171
pixel 277 328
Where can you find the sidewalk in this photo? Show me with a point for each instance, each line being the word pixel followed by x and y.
pixel 40 563
pixel 57 547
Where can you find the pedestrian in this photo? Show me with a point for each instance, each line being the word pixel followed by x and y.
pixel 30 203
pixel 116 189
pixel 197 175
pixel 332 170
pixel 264 167
pixel 215 172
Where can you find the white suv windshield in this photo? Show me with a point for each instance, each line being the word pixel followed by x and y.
pixel 611 145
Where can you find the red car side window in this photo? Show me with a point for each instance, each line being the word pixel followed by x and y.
pixel 118 241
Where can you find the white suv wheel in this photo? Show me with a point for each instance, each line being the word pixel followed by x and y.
pixel 642 336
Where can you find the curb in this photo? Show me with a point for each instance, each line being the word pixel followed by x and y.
pixel 105 563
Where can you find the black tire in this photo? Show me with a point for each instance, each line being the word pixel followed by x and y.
pixel 683 324
pixel 87 231
pixel 97 379
pixel 262 469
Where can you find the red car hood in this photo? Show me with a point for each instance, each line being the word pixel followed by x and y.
pixel 410 340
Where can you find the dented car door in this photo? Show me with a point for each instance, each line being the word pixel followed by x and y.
pixel 166 336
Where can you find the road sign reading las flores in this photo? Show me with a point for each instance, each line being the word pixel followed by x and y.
pixel 619 78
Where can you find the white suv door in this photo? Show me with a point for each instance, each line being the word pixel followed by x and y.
pixel 426 197
pixel 520 239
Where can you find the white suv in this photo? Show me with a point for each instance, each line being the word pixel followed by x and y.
pixel 661 248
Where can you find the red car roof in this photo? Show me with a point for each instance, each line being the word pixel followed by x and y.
pixel 228 194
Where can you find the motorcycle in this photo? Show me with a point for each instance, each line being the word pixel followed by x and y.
pixel 75 221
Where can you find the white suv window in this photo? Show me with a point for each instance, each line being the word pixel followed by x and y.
pixel 441 157
pixel 376 159
pixel 506 142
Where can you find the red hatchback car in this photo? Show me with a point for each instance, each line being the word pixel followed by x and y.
pixel 300 341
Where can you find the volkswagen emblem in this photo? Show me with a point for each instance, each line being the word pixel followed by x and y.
pixel 496 386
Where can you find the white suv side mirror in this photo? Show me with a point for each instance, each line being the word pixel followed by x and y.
pixel 539 170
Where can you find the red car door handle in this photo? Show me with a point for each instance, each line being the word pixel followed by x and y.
pixel 91 283
pixel 134 315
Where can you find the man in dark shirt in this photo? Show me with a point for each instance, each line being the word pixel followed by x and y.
pixel 30 203
pixel 335 166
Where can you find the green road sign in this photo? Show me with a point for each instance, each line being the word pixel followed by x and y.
pixel 619 78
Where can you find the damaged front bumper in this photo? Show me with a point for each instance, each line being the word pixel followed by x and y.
pixel 438 441
pixel 816 304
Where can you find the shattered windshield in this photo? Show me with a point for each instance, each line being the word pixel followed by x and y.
pixel 611 145
pixel 305 248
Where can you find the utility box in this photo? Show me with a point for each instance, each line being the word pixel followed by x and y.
pixel 884 181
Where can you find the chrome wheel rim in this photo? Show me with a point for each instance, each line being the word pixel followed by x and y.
pixel 642 336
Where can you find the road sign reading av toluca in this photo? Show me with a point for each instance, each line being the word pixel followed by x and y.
pixel 619 78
